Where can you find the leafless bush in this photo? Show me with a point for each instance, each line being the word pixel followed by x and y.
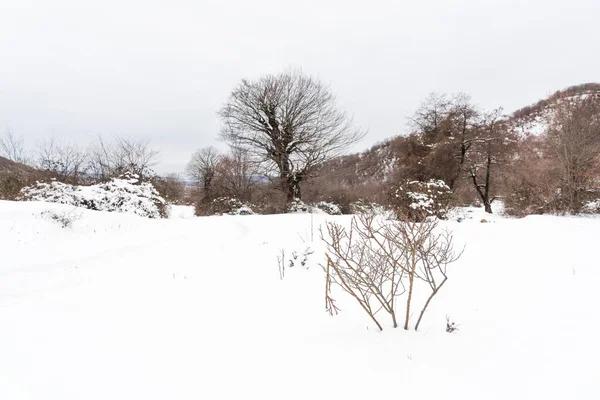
pixel 377 261
pixel 450 326
pixel 365 263
pixel 427 253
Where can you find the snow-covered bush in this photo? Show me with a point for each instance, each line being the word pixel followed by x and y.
pixel 224 206
pixel 592 207
pixel 417 200
pixel 297 206
pixel 125 194
pixel 328 208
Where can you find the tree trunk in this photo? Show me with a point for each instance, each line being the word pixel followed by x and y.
pixel 488 207
pixel 293 188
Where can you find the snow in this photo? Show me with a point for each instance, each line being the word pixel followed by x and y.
pixel 177 211
pixel 123 307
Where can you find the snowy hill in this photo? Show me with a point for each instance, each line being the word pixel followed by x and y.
pixel 379 163
pixel 534 119
pixel 123 307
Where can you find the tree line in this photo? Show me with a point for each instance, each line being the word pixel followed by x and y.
pixel 287 139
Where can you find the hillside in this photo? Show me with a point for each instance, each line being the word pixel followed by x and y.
pixel 534 119
pixel 379 163
pixel 13 176
pixel 10 167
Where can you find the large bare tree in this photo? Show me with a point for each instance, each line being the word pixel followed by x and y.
pixel 291 122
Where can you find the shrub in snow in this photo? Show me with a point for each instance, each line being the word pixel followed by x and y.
pixel 224 206
pixel 592 207
pixel 297 259
pixel 328 208
pixel 297 206
pixel 450 326
pixel 417 200
pixel 64 219
pixel 377 261
pixel 364 207
pixel 125 194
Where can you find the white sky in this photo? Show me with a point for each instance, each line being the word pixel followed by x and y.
pixel 161 69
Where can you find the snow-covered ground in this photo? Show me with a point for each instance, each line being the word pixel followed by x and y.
pixel 122 307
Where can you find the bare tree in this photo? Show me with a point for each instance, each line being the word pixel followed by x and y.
pixel 446 127
pixel 101 160
pixel 489 152
pixel 108 159
pixel 202 168
pixel 431 117
pixel 13 148
pixel 464 117
pixel 66 161
pixel 237 174
pixel 289 121
pixel 135 156
pixel 574 137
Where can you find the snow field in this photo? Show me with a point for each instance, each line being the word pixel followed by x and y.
pixel 123 307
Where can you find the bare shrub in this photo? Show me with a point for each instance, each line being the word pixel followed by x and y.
pixel 224 205
pixel 365 264
pixel 377 261
pixel 64 161
pixel 63 218
pixel 450 326
pixel 426 257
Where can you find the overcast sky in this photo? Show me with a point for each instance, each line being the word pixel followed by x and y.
pixel 74 69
